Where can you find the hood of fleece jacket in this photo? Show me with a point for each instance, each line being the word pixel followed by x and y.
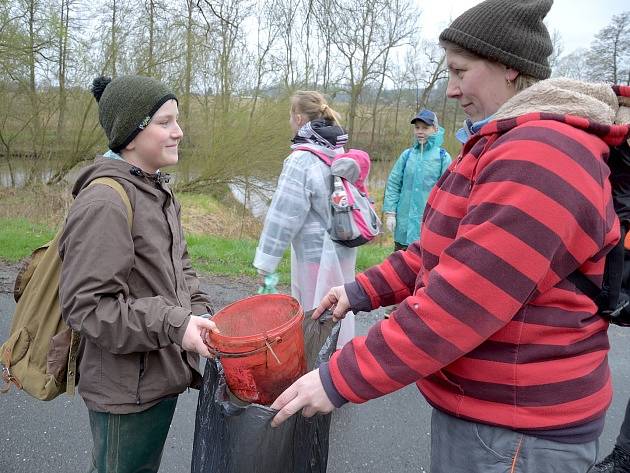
pixel 606 108
pixel 116 168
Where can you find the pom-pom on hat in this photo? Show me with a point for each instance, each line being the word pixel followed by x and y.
pixel 511 32
pixel 126 105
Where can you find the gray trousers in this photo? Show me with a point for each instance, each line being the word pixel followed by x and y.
pixel 459 446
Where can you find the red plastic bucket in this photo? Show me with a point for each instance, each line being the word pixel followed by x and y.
pixel 261 346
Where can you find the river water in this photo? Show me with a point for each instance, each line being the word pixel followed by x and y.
pixel 255 194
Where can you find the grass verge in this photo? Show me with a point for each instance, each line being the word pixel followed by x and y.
pixel 209 254
pixel 19 237
pixel 229 257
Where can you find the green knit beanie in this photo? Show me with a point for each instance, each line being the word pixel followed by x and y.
pixel 511 32
pixel 126 105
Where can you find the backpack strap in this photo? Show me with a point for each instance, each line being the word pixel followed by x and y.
pixel 326 159
pixel 75 337
pixel 108 181
pixel 585 285
pixel 607 297
pixel 405 157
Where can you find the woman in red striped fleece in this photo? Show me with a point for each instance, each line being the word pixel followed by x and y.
pixel 510 354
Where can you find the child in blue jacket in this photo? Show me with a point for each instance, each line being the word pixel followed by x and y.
pixel 413 176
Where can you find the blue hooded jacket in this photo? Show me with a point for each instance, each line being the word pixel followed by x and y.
pixel 413 176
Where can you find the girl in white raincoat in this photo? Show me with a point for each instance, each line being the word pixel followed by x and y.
pixel 299 213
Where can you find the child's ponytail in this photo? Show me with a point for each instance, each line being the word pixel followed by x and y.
pixel 313 104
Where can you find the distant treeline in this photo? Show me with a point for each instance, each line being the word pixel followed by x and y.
pixel 234 65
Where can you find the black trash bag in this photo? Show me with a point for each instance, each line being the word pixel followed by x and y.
pixel 232 436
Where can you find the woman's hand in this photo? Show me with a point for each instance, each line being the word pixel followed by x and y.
pixel 306 394
pixel 336 298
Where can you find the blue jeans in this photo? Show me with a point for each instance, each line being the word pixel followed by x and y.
pixel 459 446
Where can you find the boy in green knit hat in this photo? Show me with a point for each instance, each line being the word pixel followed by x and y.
pixel 126 283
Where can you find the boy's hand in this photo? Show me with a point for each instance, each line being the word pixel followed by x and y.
pixel 196 331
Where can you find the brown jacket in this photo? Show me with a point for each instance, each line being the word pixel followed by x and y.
pixel 129 294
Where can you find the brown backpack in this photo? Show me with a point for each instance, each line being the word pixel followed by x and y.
pixel 41 352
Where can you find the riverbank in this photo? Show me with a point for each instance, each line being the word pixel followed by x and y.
pixel 221 236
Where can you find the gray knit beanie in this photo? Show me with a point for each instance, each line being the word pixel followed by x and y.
pixel 511 32
pixel 126 105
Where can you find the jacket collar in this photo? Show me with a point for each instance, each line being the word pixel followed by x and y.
pixel 470 128
pixel 598 109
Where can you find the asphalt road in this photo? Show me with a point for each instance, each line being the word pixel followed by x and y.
pixel 386 435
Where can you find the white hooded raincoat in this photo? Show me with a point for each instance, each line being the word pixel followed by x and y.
pixel 299 215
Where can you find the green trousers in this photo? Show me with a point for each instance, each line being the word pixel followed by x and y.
pixel 130 443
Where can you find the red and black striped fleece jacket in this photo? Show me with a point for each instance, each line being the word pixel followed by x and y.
pixel 489 327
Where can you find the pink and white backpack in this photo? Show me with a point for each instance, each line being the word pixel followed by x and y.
pixel 354 220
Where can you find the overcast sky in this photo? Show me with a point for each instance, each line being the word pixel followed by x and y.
pixel 576 20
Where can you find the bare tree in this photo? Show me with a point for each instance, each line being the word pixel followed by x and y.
pixel 63 49
pixel 113 44
pixel 309 62
pixel 384 71
pixel 13 123
pixel 572 65
pixel 227 74
pixel 366 32
pixel 558 49
pixel 435 70
pixel 84 141
pixel 230 15
pixel 398 77
pixel 189 36
pixel 35 46
pixel 286 13
pixel 150 7
pixel 266 36
pixel 12 40
pixel 326 38
pixel 377 99
pixel 609 56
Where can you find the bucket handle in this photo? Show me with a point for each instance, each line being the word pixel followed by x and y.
pixel 267 345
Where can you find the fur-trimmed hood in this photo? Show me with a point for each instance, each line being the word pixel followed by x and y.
pixel 600 109
pixel 598 102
